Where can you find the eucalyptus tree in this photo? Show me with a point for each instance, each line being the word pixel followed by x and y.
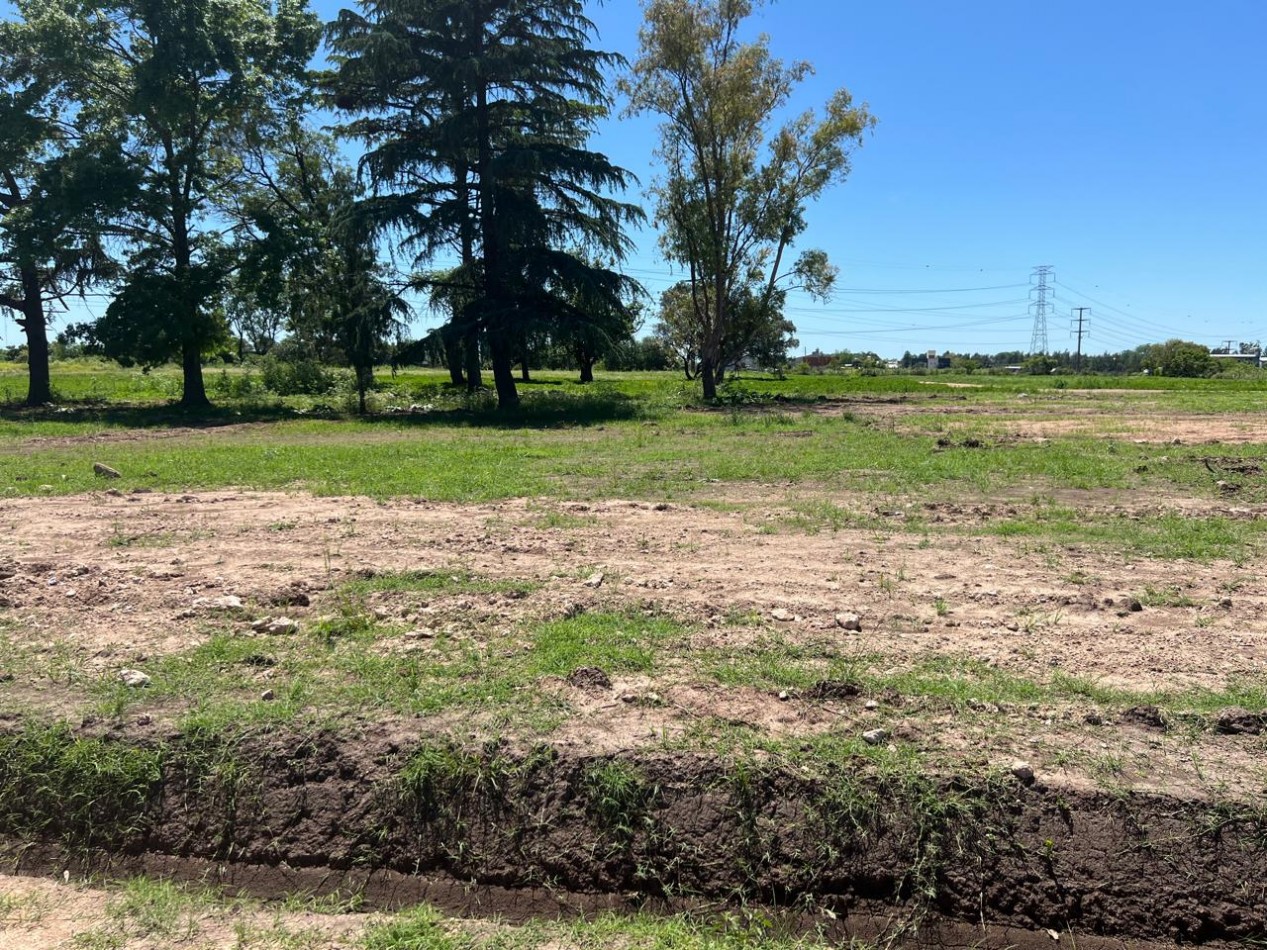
pixel 61 178
pixel 196 81
pixel 731 201
pixel 475 116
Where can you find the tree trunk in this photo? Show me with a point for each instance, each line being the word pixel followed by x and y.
pixel 474 374
pixel 707 375
pixel 364 379
pixel 453 355
pixel 587 371
pixel 503 373
pixel 195 393
pixel 39 390
pixel 524 373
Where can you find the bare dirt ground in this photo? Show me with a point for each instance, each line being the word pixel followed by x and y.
pixel 1135 418
pixel 112 580
pixel 115 576
pixel 47 914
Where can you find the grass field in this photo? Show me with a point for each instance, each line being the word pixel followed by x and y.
pixel 1028 562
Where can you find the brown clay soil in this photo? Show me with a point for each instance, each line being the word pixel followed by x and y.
pixel 109 581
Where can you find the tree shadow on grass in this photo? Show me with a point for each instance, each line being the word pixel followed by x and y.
pixel 553 408
pixel 547 408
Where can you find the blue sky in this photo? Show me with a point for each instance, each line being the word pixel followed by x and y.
pixel 1123 143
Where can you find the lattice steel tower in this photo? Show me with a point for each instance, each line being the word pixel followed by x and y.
pixel 1040 306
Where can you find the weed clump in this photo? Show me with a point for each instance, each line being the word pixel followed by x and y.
pixel 90 793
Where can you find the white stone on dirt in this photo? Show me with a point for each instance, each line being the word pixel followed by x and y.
pixel 778 613
pixel 278 626
pixel 227 602
pixel 784 695
pixel 105 471
pixel 1023 771
pixel 268 696
pixel 871 704
pixel 422 633
pixel 134 678
pixel 875 736
pixel 847 621
pixel 595 580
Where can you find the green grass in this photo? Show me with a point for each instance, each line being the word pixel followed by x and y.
pixel 423 928
pixel 85 792
pixel 641 436
pixel 446 581
pixel 772 663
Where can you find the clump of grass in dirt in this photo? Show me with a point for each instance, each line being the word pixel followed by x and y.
pixel 424 928
pixel 1167 536
pixel 442 581
pixel 614 642
pixel 618 795
pixel 87 792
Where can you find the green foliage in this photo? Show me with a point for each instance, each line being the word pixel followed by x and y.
pixel 419 928
pixel 618 796
pixel 506 183
pixel 732 200
pixel 1181 358
pixel 616 643
pixel 193 84
pixel 90 793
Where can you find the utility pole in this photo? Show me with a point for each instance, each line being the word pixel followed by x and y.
pixel 1079 331
pixel 1038 342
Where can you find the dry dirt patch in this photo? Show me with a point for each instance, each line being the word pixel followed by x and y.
pixel 112 577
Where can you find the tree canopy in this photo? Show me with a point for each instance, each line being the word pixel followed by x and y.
pixel 732 198
pixel 475 115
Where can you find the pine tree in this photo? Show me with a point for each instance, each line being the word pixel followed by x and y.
pixel 475 115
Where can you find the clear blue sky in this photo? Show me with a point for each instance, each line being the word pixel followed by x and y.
pixel 1123 143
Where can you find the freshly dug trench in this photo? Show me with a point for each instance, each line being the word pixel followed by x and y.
pixel 838 838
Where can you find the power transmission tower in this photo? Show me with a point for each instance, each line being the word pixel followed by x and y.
pixel 1040 307
pixel 1080 331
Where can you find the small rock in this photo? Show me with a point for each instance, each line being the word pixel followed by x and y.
pixel 228 602
pixel 134 678
pixel 652 698
pixel 105 471
pixel 278 626
pixel 1093 719
pixel 1226 603
pixel 875 736
pixel 420 633
pixel 871 704
pixel 268 696
pixel 1023 771
pixel 1134 606
pixel 589 677
pixel 595 580
pixel 143 720
pixel 784 695
pixel 1150 717
pixel 1234 720
pixel 849 622
pixel 783 616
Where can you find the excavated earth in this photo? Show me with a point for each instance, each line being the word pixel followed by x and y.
pixel 1030 823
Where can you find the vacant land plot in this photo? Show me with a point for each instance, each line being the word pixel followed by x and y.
pixel 889 659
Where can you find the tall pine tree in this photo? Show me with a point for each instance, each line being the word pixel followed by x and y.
pixel 475 115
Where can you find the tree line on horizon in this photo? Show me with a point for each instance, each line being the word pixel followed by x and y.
pixel 166 155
